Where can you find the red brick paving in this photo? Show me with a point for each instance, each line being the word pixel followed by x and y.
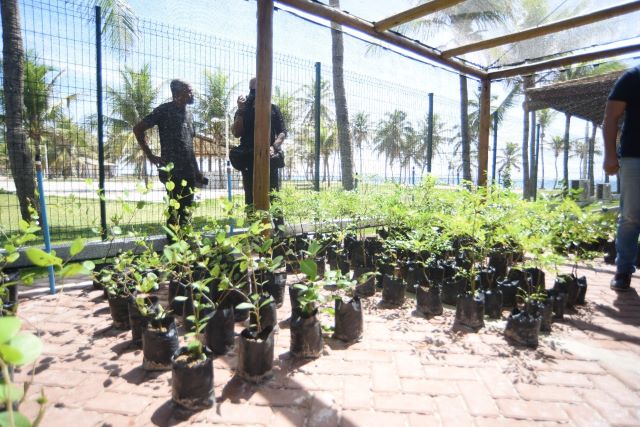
pixel 407 371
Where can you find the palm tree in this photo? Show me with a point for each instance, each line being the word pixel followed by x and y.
pixel 286 103
pixel 20 160
pixel 581 151
pixel 129 105
pixel 72 150
pixel 575 72
pixel 40 113
pixel 466 22
pixel 508 160
pixel 307 102
pixel 328 139
pixel 214 109
pixel 544 119
pixel 327 148
pixel 360 132
pixel 422 146
pixel 119 23
pixel 390 137
pixel 340 99
pixel 499 108
pixel 118 17
pixel 557 145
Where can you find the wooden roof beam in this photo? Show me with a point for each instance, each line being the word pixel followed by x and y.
pixel 542 30
pixel 414 13
pixel 562 62
pixel 350 21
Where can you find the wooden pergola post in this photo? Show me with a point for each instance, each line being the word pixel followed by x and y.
pixel 262 131
pixel 483 133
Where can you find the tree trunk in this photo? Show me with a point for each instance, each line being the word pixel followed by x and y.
pixel 592 143
pixel 555 184
pixel 361 160
pixel 342 114
pixel 565 173
pixel 13 68
pixel 464 129
pixel 526 175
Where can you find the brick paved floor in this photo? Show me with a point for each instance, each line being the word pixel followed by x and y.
pixel 407 371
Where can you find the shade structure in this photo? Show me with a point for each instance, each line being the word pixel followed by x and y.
pixel 584 98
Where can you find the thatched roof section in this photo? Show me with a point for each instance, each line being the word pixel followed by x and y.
pixel 584 98
pixel 205 146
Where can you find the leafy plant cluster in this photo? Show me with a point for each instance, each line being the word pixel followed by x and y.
pixel 431 220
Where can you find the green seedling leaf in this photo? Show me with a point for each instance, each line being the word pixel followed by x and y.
pixel 265 247
pixel 42 259
pixel 266 302
pixel 244 306
pixel 74 269
pixel 116 231
pixel 9 327
pixel 89 265
pixel 19 420
pixel 309 267
pixel 314 248
pixel 22 349
pixel 76 246
pixel 193 346
pixel 27 278
pixel 23 225
pixel 170 185
pixel 10 391
pixel 327 328
pixel 13 257
pixel 276 262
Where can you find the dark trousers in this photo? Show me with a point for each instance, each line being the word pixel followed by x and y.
pixel 247 183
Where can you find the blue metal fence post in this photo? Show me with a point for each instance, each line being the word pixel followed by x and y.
pixel 103 206
pixel 45 222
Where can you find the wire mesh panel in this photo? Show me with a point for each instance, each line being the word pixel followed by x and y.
pixel 388 118
pixel 59 116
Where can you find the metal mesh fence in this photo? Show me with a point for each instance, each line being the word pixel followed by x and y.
pixel 388 120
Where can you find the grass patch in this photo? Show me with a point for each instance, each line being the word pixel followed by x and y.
pixel 70 217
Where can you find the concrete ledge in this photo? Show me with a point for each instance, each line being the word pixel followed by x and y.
pixel 98 250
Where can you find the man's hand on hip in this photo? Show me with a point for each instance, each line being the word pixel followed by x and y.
pixel 156 160
pixel 611 165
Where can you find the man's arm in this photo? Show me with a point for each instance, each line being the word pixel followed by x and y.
pixel 614 110
pixel 139 132
pixel 279 127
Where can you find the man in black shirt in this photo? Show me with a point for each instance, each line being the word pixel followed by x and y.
pixel 624 100
pixel 175 126
pixel 243 127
